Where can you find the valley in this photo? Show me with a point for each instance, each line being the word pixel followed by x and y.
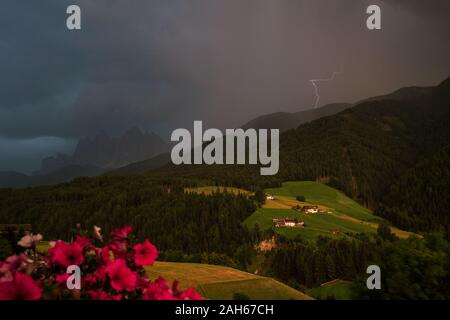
pixel 389 154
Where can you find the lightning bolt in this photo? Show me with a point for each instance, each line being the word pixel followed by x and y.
pixel 314 82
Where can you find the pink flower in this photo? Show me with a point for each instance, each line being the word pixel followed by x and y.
pixel 100 274
pixel 190 294
pixel 30 240
pixel 142 282
pixel 105 254
pixel 145 254
pixel 16 263
pixel 90 279
pixel 121 233
pixel 119 248
pixel 66 254
pixel 122 278
pixel 111 252
pixel 23 287
pixel 158 290
pixel 102 295
pixel 62 278
pixel 5 273
pixel 82 241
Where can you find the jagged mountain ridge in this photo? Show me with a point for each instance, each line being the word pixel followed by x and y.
pixel 107 152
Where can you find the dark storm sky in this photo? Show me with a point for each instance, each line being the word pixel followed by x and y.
pixel 161 64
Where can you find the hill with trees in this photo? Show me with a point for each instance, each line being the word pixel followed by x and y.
pixel 372 152
pixel 389 154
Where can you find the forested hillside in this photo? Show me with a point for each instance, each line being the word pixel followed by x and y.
pixel 391 155
pixel 421 198
pixel 368 152
pixel 177 222
pixel 374 151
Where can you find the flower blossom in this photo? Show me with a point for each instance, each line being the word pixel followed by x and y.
pixel 102 295
pixel 158 290
pixel 121 234
pixel 97 233
pixel 122 278
pixel 66 254
pixel 145 254
pixel 22 287
pixel 30 240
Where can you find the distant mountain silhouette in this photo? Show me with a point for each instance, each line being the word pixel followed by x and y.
pixel 11 179
pixel 279 120
pixel 142 166
pixel 102 154
pixel 92 156
pixel 285 120
pixel 107 152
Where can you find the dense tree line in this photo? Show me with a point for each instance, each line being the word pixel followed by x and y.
pixel 192 224
pixel 421 199
pixel 310 265
pixel 410 269
pixel 413 269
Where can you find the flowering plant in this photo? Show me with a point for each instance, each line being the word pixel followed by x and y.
pixel 114 271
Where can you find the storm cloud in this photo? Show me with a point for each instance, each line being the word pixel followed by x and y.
pixel 161 64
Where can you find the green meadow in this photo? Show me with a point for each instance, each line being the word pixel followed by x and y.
pixel 318 193
pixel 341 213
pixel 222 283
pixel 315 224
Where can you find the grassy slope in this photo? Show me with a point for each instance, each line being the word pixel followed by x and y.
pixel 315 224
pixel 344 213
pixel 339 289
pixel 319 193
pixel 217 282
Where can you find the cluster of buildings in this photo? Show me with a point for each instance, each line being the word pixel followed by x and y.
pixel 288 223
pixel 294 222
pixel 270 197
pixel 308 209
